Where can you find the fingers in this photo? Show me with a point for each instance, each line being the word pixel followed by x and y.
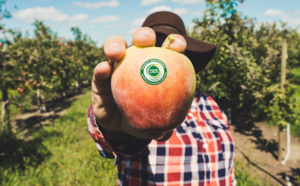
pixel 101 77
pixel 114 48
pixel 102 99
pixel 143 37
pixel 178 44
pixel 103 71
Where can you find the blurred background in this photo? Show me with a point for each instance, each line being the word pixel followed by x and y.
pixel 49 49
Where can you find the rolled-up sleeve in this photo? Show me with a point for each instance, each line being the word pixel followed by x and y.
pixel 102 145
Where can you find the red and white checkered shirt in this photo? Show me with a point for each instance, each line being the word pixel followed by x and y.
pixel 199 152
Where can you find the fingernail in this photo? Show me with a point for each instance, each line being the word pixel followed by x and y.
pixel 146 32
pixel 181 43
pixel 143 33
pixel 113 47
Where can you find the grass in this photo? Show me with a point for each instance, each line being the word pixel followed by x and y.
pixel 63 153
pixel 58 154
pixel 243 176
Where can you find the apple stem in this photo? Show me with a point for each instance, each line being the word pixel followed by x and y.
pixel 167 43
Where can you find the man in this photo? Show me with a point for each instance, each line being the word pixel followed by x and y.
pixel 198 152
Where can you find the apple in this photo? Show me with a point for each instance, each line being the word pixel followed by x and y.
pixel 153 87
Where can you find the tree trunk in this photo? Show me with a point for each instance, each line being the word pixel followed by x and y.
pixel 77 85
pixel 5 115
pixel 5 119
pixel 40 100
pixel 66 79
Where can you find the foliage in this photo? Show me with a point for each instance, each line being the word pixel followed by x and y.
pixel 282 109
pixel 245 71
pixel 45 65
pixel 295 129
pixel 57 64
pixel 244 76
pixel 4 13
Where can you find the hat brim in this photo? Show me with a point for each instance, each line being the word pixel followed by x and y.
pixel 199 52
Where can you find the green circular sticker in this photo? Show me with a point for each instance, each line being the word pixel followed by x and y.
pixel 154 71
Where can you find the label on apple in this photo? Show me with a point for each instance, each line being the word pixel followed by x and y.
pixel 154 71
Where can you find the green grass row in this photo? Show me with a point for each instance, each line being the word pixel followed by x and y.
pixel 63 153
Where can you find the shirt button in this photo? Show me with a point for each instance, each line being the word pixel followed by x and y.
pixel 205 145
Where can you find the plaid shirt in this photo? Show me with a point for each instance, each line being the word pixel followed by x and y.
pixel 199 152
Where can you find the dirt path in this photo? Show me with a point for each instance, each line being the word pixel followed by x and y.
pixel 31 120
pixel 256 147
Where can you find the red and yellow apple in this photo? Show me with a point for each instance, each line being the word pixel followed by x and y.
pixel 153 88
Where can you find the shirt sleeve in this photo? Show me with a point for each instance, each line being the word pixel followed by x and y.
pixel 102 145
pixel 111 144
pixel 232 176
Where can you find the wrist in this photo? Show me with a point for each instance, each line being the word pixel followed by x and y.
pixel 122 143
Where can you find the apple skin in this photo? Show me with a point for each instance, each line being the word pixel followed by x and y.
pixel 153 108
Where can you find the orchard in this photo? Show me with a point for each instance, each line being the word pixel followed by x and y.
pixel 246 76
pixel 44 67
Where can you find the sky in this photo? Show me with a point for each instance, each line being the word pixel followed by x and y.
pixel 101 19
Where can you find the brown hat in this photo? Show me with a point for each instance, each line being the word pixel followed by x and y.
pixel 199 52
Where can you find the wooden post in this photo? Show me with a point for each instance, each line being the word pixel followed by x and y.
pixel 283 78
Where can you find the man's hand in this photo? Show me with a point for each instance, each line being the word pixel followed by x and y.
pixel 104 106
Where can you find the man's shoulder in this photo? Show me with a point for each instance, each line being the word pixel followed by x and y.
pixel 206 109
pixel 204 98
